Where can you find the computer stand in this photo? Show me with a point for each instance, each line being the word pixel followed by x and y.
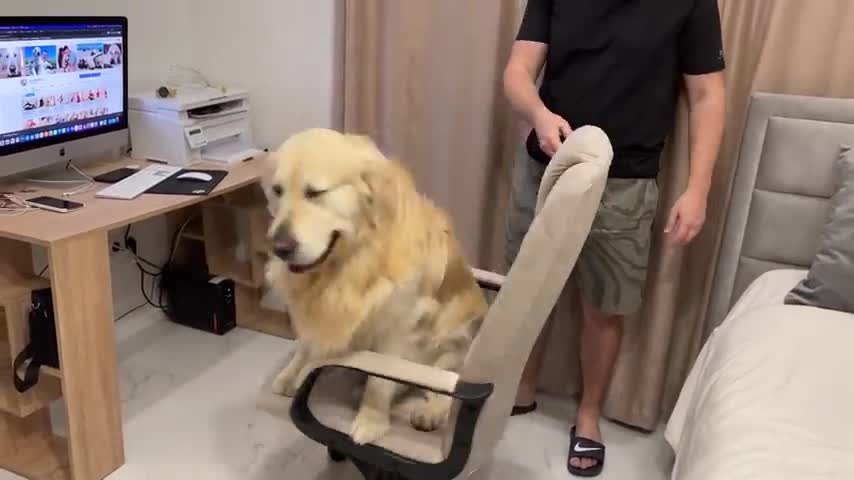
pixel 58 181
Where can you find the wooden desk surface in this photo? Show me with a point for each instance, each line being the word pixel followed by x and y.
pixel 43 228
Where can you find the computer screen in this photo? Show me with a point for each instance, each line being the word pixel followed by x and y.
pixel 61 79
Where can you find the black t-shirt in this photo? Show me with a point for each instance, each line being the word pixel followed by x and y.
pixel 617 64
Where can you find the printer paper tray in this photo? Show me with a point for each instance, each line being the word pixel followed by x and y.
pixel 224 113
pixel 229 153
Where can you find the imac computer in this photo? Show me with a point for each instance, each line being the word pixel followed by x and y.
pixel 63 90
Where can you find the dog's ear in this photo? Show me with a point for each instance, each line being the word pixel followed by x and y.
pixel 371 160
pixel 369 185
pixel 377 194
pixel 362 142
pixel 268 176
pixel 376 186
pixel 387 184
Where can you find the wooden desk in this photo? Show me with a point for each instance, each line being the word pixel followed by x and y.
pixel 101 215
pixel 79 256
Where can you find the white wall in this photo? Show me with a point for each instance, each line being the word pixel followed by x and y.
pixel 158 30
pixel 283 51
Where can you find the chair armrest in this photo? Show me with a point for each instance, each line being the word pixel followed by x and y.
pixel 398 370
pixel 488 280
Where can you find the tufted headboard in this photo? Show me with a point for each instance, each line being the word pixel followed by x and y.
pixel 784 179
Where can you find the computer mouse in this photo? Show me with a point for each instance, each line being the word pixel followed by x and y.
pixel 195 177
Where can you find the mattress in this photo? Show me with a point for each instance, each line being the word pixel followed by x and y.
pixel 771 395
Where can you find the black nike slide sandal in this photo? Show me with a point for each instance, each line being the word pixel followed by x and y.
pixel 523 409
pixel 584 448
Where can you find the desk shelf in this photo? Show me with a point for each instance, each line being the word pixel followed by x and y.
pixel 253 316
pixel 28 446
pixel 194 231
pixel 28 449
pixel 236 246
pixel 14 337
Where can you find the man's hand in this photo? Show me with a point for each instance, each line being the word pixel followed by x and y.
pixel 687 217
pixel 551 130
pixel 706 99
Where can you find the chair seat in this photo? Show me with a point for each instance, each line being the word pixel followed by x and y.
pixel 335 400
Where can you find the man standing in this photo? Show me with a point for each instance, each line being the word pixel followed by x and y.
pixel 618 65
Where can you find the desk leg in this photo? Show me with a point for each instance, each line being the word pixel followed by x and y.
pixel 82 296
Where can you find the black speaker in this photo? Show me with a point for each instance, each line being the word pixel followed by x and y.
pixel 198 300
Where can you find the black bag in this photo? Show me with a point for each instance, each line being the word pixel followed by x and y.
pixel 42 349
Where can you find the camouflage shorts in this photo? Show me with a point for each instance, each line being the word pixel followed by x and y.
pixel 611 270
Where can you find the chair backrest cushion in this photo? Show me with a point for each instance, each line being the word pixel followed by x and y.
pixel 569 197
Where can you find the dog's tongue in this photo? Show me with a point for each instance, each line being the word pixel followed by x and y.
pixel 296 268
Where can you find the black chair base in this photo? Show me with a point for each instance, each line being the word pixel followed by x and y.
pixel 372 472
pixel 336 456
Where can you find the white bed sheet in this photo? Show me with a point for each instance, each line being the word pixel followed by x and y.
pixel 771 395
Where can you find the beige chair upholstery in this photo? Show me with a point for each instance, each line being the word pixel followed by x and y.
pixel 568 200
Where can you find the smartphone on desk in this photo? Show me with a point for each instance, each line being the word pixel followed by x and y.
pixel 52 204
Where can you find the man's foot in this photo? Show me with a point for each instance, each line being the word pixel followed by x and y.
pixel 587 426
pixel 583 450
pixel 523 409
pixel 525 400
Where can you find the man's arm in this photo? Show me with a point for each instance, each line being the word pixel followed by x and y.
pixel 707 104
pixel 701 60
pixel 526 61
pixel 520 76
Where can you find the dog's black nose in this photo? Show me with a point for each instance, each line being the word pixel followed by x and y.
pixel 284 245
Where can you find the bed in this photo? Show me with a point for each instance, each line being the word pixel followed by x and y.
pixel 771 395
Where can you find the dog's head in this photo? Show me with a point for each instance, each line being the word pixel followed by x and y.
pixel 9 62
pixel 115 54
pixel 327 193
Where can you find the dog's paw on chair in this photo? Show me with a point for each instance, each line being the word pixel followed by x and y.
pixel 369 426
pixel 426 415
pixel 285 385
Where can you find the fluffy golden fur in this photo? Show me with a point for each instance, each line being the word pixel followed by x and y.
pixel 367 263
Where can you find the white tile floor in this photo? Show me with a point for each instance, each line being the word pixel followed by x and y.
pixel 188 407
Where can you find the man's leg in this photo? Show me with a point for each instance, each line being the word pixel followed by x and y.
pixel 526 394
pixel 610 277
pixel 599 340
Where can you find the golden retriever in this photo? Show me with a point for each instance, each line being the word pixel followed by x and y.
pixel 367 263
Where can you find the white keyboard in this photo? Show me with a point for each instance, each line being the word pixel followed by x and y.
pixel 138 183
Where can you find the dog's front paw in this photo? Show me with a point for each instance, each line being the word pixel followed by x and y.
pixel 429 415
pixel 273 271
pixel 369 426
pixel 285 384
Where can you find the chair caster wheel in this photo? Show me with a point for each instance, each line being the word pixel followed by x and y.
pixel 336 456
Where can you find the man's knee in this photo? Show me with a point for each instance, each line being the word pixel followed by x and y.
pixel 597 317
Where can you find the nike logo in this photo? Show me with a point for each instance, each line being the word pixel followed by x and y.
pixel 578 448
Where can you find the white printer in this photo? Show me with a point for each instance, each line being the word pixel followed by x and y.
pixel 196 124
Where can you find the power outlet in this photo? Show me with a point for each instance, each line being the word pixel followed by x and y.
pixel 130 244
pixel 123 245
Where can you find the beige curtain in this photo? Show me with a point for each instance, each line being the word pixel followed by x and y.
pixel 424 79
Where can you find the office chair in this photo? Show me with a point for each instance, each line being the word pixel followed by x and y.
pixel 485 387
